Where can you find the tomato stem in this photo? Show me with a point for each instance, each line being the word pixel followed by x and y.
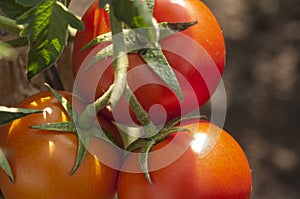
pixel 121 62
pixel 52 78
pixel 10 25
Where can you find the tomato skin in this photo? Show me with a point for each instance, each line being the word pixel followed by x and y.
pixel 223 173
pixel 197 62
pixel 41 161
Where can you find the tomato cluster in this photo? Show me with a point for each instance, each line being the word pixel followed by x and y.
pixel 197 160
pixel 196 55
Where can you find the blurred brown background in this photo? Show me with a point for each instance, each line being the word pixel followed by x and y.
pixel 262 87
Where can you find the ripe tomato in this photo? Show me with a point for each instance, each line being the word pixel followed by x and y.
pixel 41 161
pixel 200 171
pixel 197 56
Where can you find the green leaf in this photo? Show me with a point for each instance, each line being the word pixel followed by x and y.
pixel 5 166
pixel 47 31
pixel 136 14
pixel 29 2
pixel 18 42
pixel 57 126
pixel 156 60
pixel 9 114
pixel 12 9
pixel 65 104
pixel 103 3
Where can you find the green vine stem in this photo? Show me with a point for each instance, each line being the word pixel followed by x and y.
pixel 120 57
pixel 121 64
pixel 10 25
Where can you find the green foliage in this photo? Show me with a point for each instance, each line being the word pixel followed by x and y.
pixel 46 27
pixel 156 60
pixel 9 114
pixel 102 3
pixel 30 3
pixel 12 9
pixel 5 166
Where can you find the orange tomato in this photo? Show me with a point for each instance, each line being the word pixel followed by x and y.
pixel 204 169
pixel 41 161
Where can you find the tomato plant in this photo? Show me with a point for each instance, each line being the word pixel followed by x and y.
pixel 42 161
pixel 206 169
pixel 173 69
pixel 196 55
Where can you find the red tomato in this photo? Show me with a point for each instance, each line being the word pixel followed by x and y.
pixel 197 56
pixel 204 168
pixel 41 161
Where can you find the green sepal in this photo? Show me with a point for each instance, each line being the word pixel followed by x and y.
pixel 143 160
pixel 57 126
pixel 5 166
pixel 102 54
pixel 46 27
pixel 8 114
pixel 106 37
pixel 137 144
pixel 65 104
pixel 154 57
pixel 156 60
pixel 83 142
pixel 166 29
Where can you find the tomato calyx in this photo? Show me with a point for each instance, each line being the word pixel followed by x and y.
pixel 146 144
pixel 133 42
pixel 82 125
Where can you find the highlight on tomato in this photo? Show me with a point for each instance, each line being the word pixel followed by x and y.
pixel 42 160
pixel 210 164
pixel 197 56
